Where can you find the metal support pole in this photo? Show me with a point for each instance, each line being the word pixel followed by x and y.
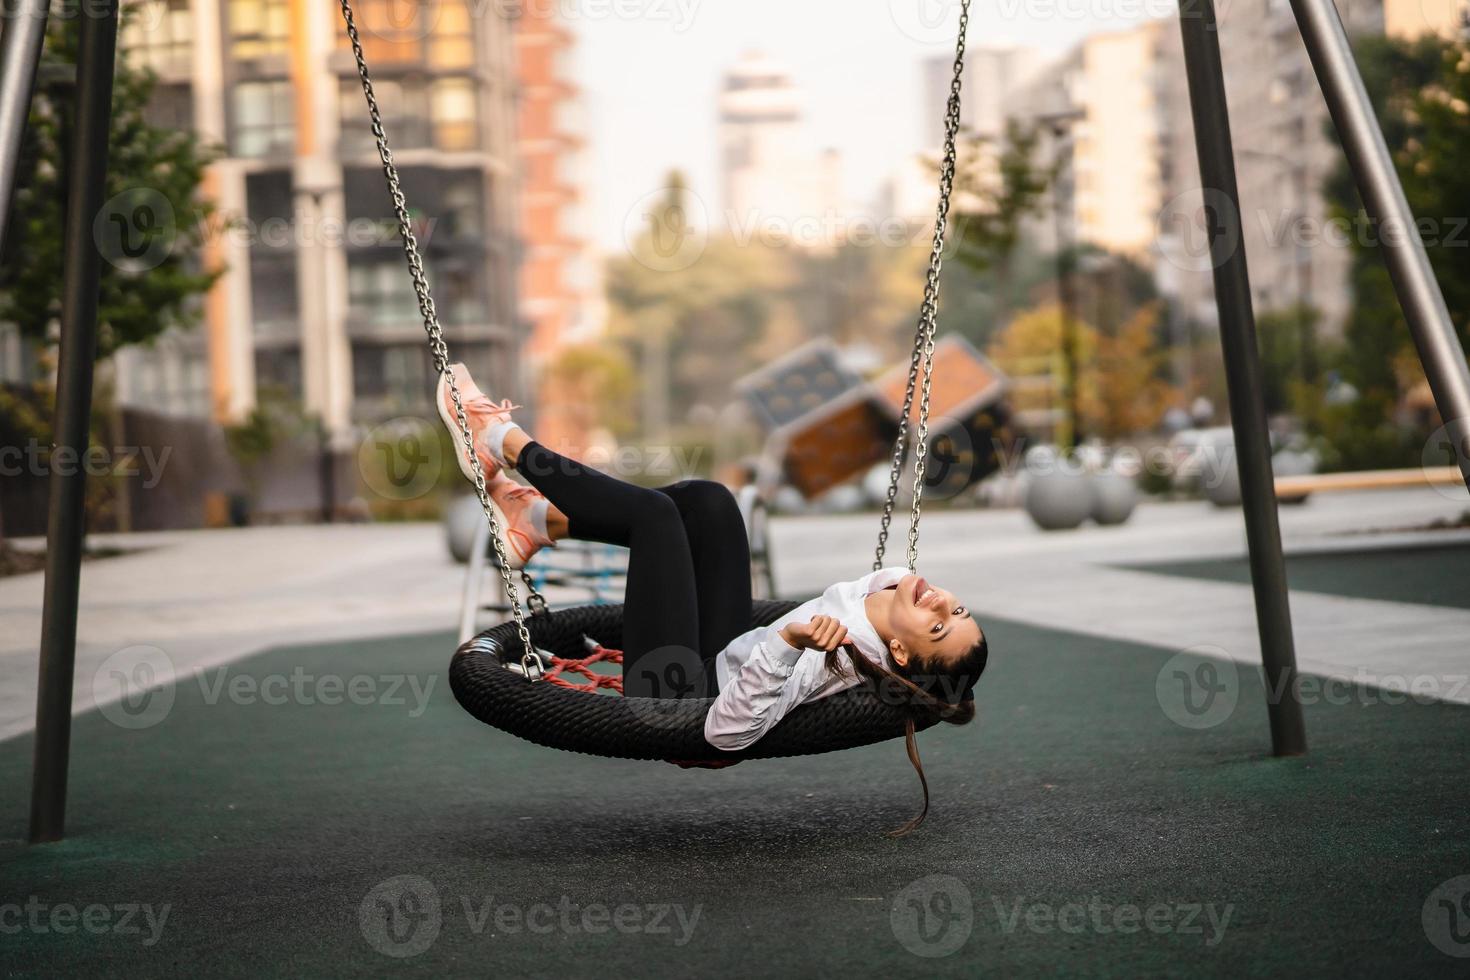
pixel 20 54
pixel 1383 196
pixel 87 171
pixel 1242 370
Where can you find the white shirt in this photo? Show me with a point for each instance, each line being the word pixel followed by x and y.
pixel 761 677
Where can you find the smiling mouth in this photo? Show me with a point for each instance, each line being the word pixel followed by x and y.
pixel 922 591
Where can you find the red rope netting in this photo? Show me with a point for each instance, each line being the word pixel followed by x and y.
pixel 582 666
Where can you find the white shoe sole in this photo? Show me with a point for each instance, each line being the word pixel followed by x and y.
pixel 441 401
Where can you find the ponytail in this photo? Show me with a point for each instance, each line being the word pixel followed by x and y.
pixel 920 703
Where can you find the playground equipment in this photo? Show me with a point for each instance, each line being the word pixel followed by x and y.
pixel 1331 55
pixel 824 424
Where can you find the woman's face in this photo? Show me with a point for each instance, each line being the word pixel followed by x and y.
pixel 929 624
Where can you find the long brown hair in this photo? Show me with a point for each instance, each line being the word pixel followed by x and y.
pixel 956 708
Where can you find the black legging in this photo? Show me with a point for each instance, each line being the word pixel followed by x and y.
pixel 688 590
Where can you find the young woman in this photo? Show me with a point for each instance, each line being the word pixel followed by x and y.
pixel 687 606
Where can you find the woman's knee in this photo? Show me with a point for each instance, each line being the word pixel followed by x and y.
pixel 703 496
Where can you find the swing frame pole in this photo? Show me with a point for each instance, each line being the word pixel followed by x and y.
pixel 1419 296
pixel 65 528
pixel 20 56
pixel 1243 376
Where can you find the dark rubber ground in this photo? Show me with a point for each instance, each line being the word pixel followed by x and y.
pixel 1434 576
pixel 264 828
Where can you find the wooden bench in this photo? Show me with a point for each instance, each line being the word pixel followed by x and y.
pixel 1433 476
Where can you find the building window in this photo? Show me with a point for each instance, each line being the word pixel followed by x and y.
pixel 381 294
pixel 394 377
pixel 159 35
pixel 278 372
pixel 443 115
pixel 264 119
pixel 452 45
pixel 259 28
pixel 401 32
pixel 452 108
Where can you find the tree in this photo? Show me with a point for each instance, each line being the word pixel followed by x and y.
pixel 1420 91
pixel 997 187
pixel 150 231
pixel 1121 390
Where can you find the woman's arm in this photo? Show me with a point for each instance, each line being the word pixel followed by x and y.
pixel 777 677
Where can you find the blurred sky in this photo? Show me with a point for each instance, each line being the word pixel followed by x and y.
pixel 651 80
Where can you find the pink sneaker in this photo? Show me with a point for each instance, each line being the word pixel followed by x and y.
pixel 521 514
pixel 480 412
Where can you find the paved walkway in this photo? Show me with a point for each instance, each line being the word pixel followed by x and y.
pixel 209 597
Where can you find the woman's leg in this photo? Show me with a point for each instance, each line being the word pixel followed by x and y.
pixel 721 555
pixel 661 632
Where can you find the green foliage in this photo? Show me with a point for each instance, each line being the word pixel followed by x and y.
pixel 158 169
pixel 1421 93
pixel 1284 337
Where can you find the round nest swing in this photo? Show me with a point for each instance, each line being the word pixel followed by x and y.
pixel 534 705
pixel 578 720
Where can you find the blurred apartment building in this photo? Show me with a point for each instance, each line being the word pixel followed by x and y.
pixel 772 178
pixel 1113 114
pixel 1284 153
pixel 561 292
pixel 317 303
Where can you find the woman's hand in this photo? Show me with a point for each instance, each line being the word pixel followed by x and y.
pixel 823 633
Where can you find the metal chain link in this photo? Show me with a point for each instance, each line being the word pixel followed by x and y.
pixel 923 350
pixel 529 661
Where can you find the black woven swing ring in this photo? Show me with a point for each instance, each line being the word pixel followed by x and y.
pixel 644 728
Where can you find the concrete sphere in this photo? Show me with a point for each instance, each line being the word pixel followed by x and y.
pixel 1114 495
pixel 1058 499
pixel 461 519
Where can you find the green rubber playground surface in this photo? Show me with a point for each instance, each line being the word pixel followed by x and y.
pixel 1433 575
pixel 1077 831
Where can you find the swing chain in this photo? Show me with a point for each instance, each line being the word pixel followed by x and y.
pixel 923 349
pixel 530 663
